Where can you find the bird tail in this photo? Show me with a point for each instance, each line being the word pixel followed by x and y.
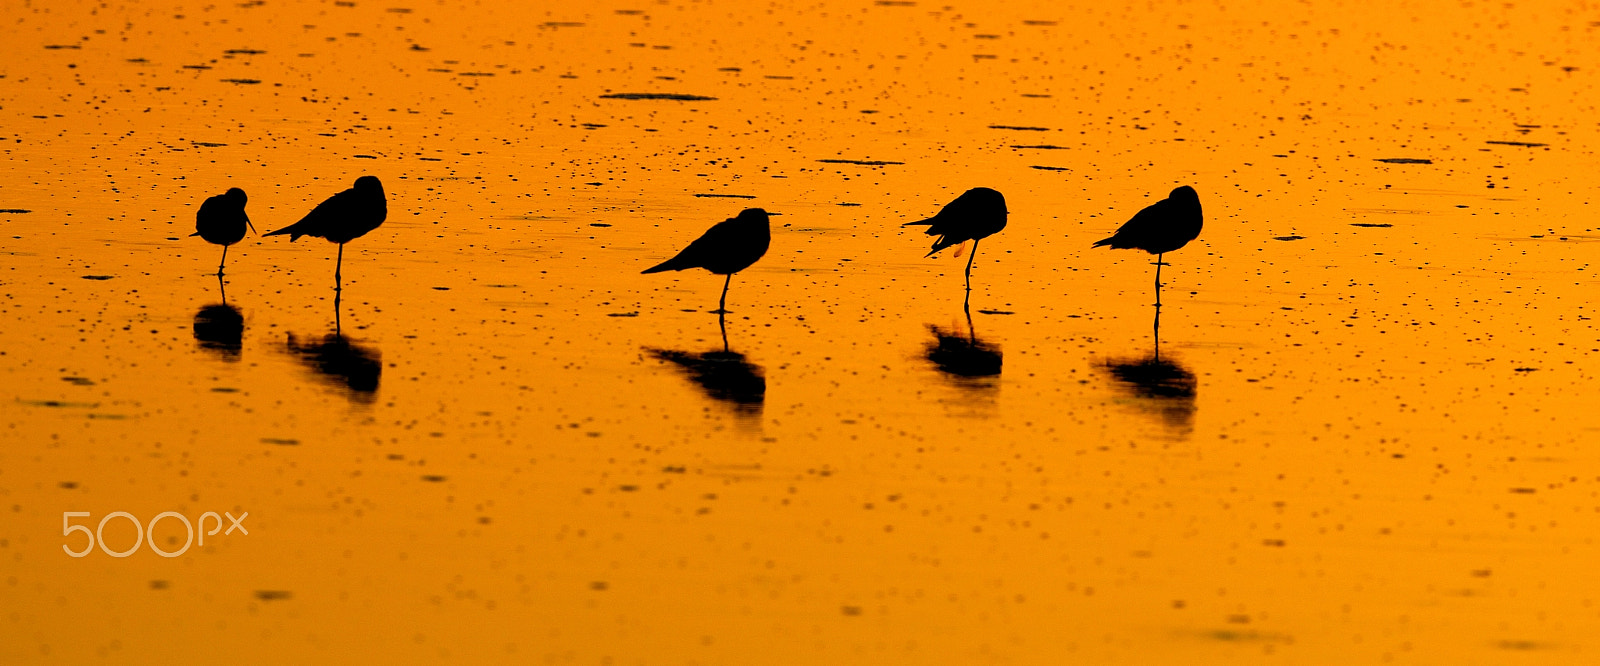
pixel 928 222
pixel 1106 241
pixel 673 264
pixel 294 233
pixel 194 234
pixel 942 243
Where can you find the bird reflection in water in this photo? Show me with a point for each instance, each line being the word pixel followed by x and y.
pixel 724 375
pixel 220 328
pixel 1160 386
pixel 969 364
pixel 346 365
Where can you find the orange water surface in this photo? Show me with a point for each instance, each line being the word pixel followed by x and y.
pixel 1367 435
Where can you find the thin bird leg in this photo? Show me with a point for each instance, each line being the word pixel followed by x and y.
pixel 222 288
pixel 722 323
pixel 224 261
pixel 336 330
pixel 1156 332
pixel 338 283
pixel 972 334
pixel 1158 280
pixel 722 305
pixel 970 257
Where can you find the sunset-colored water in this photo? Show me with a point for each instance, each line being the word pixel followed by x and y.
pixel 1369 435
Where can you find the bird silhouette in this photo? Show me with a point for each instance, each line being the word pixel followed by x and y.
pixel 1161 227
pixel 977 214
pixel 221 221
pixel 726 248
pixel 344 217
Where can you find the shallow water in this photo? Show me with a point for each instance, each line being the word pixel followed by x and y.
pixel 1365 437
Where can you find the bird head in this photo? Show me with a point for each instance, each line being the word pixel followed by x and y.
pixel 753 215
pixel 236 194
pixel 1185 192
pixel 369 183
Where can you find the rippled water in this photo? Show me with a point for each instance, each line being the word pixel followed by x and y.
pixel 1364 437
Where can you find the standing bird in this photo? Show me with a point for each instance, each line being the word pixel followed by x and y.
pixel 344 217
pixel 730 246
pixel 1161 227
pixel 977 214
pixel 221 221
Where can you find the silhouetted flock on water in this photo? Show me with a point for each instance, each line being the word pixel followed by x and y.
pixel 727 247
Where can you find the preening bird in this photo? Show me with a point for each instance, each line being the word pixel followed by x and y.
pixel 344 217
pixel 1161 227
pixel 977 214
pixel 726 248
pixel 221 221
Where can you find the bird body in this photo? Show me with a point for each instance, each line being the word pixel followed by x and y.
pixel 978 213
pixel 726 248
pixel 1161 227
pixel 221 221
pixel 345 216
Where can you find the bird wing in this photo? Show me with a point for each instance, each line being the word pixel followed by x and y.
pixel 700 250
pixel 315 223
pixel 1142 224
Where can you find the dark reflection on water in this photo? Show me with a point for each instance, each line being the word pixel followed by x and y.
pixel 220 328
pixel 724 375
pixel 342 363
pixel 1161 386
pixel 966 359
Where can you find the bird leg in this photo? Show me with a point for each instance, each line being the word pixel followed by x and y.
pixel 336 330
pixel 1158 280
pixel 338 284
pixel 1156 332
pixel 722 323
pixel 970 257
pixel 722 305
pixel 224 261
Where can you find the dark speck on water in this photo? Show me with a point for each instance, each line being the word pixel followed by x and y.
pixel 433 478
pixel 15 211
pixel 1287 238
pixel 861 162
pixel 274 595
pixel 671 96
pixel 598 224
pixel 1403 160
pixel 728 196
pixel 1370 224
pixel 1523 144
pixel 1019 128
pixel 1048 168
pixel 97 277
pixel 278 441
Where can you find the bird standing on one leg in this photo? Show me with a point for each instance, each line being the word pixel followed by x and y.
pixel 977 214
pixel 221 221
pixel 726 248
pixel 1161 227
pixel 344 217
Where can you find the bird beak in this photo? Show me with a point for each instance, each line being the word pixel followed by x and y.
pixel 252 227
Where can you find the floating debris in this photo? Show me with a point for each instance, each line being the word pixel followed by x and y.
pixel 276 441
pixel 1042 146
pixel 244 52
pixel 1370 224
pixel 15 211
pixel 861 162
pixel 1019 128
pixel 274 595
pixel 1287 238
pixel 672 96
pixel 97 277
pixel 1403 160
pixel 1048 168
pixel 1523 144
pixel 242 82
pixel 726 196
